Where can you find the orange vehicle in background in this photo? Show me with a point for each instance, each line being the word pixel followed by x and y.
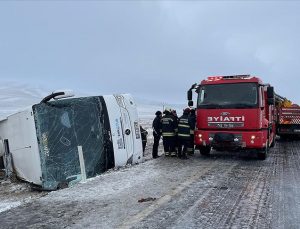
pixel 288 118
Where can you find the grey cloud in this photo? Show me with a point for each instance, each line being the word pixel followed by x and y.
pixel 154 50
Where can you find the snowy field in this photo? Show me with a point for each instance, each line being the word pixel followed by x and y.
pixel 15 97
pixel 225 190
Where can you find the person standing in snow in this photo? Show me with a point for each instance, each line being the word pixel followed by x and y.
pixel 177 144
pixel 168 130
pixel 144 134
pixel 184 136
pixel 191 149
pixel 156 126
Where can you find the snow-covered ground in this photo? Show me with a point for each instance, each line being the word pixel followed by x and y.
pixel 14 193
pixel 225 190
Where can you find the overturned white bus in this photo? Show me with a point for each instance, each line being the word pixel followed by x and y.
pixel 55 143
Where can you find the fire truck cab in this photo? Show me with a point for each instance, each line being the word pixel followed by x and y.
pixel 233 113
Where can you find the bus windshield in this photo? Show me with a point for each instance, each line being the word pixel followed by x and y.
pixel 62 126
pixel 239 95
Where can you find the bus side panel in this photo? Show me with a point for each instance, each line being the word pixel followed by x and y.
pixel 131 108
pixel 117 130
pixel 124 129
pixel 20 131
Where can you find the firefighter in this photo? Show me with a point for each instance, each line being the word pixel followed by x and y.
pixel 174 113
pixel 168 130
pixel 184 136
pixel 156 126
pixel 174 154
pixel 192 117
pixel 144 134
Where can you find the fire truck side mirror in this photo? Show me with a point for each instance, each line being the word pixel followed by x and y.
pixel 270 93
pixel 189 95
pixel 271 101
pixel 270 96
pixel 191 103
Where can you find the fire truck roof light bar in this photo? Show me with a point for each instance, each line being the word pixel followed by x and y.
pixel 236 77
pixel 232 77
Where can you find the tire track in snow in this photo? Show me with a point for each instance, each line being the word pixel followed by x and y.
pixel 129 223
pixel 286 187
pixel 182 199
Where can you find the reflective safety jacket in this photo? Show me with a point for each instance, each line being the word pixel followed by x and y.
pixel 168 126
pixel 184 126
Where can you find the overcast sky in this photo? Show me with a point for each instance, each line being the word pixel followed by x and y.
pixel 151 49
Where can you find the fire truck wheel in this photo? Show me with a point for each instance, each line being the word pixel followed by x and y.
pixel 283 137
pixel 273 142
pixel 262 154
pixel 204 150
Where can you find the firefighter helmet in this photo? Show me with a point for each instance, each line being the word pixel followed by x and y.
pixel 167 111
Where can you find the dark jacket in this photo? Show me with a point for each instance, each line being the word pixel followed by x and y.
pixel 144 134
pixel 168 125
pixel 156 125
pixel 184 126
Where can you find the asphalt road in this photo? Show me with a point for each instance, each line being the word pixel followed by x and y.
pixel 224 190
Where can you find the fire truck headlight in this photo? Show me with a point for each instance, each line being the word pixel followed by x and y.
pixel 210 139
pixel 252 137
pixel 200 135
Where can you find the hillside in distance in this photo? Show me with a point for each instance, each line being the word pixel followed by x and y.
pixel 15 97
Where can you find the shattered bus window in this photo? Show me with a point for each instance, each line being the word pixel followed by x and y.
pixel 64 125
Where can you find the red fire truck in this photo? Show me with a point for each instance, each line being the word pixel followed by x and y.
pixel 233 113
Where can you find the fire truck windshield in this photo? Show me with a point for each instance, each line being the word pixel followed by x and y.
pixel 238 95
